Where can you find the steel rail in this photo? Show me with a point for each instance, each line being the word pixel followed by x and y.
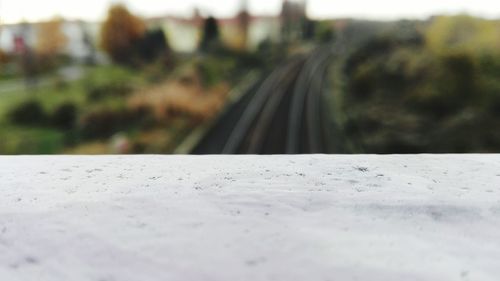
pixel 296 113
pixel 270 111
pixel 250 114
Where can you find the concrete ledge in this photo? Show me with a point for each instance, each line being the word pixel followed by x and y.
pixel 218 218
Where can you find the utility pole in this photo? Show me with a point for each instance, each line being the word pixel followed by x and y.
pixel 27 55
pixel 1 25
pixel 88 42
pixel 293 16
pixel 244 22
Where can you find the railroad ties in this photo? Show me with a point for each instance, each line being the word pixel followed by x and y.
pixel 283 113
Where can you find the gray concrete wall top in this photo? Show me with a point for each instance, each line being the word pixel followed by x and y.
pixel 415 217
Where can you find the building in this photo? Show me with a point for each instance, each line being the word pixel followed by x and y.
pixel 79 35
pixel 293 19
pixel 242 32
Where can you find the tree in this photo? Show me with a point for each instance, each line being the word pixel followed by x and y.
pixel 120 33
pixel 244 24
pixel 324 31
pixel 50 39
pixel 210 34
pixel 463 34
pixel 3 57
pixel 154 45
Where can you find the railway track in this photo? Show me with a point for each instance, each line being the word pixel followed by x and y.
pixel 283 113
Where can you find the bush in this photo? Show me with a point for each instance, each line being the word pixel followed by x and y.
pixel 109 82
pixel 97 92
pixel 404 97
pixel 103 123
pixel 152 46
pixel 28 113
pixel 64 116
pixel 213 70
pixel 15 140
pixel 324 32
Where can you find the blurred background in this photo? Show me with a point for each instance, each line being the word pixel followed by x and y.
pixel 256 76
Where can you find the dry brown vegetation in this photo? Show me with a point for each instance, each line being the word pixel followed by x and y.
pixel 3 57
pixel 50 38
pixel 184 96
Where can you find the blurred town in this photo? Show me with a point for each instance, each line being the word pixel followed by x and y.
pixel 249 84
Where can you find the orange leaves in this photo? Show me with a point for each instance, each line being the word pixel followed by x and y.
pixel 119 32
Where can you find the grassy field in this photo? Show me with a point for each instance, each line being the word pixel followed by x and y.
pixel 44 139
pixel 115 110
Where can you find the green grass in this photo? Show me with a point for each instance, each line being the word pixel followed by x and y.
pixel 49 98
pixel 75 92
pixel 104 74
pixel 24 140
pixel 16 139
pixel 98 91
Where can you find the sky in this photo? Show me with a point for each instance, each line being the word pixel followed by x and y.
pixel 33 10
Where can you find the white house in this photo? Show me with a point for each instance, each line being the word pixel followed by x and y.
pixel 74 31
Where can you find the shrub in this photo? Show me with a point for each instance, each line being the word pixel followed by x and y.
pixel 103 123
pixel 108 82
pixel 152 46
pixel 64 116
pixel 97 92
pixel 324 32
pixel 28 113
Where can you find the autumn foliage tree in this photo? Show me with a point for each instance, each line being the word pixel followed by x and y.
pixel 120 33
pixel 50 39
pixel 3 57
pixel 463 34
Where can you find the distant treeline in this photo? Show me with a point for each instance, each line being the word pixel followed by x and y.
pixel 434 87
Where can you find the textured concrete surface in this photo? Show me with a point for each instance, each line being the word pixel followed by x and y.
pixel 219 218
